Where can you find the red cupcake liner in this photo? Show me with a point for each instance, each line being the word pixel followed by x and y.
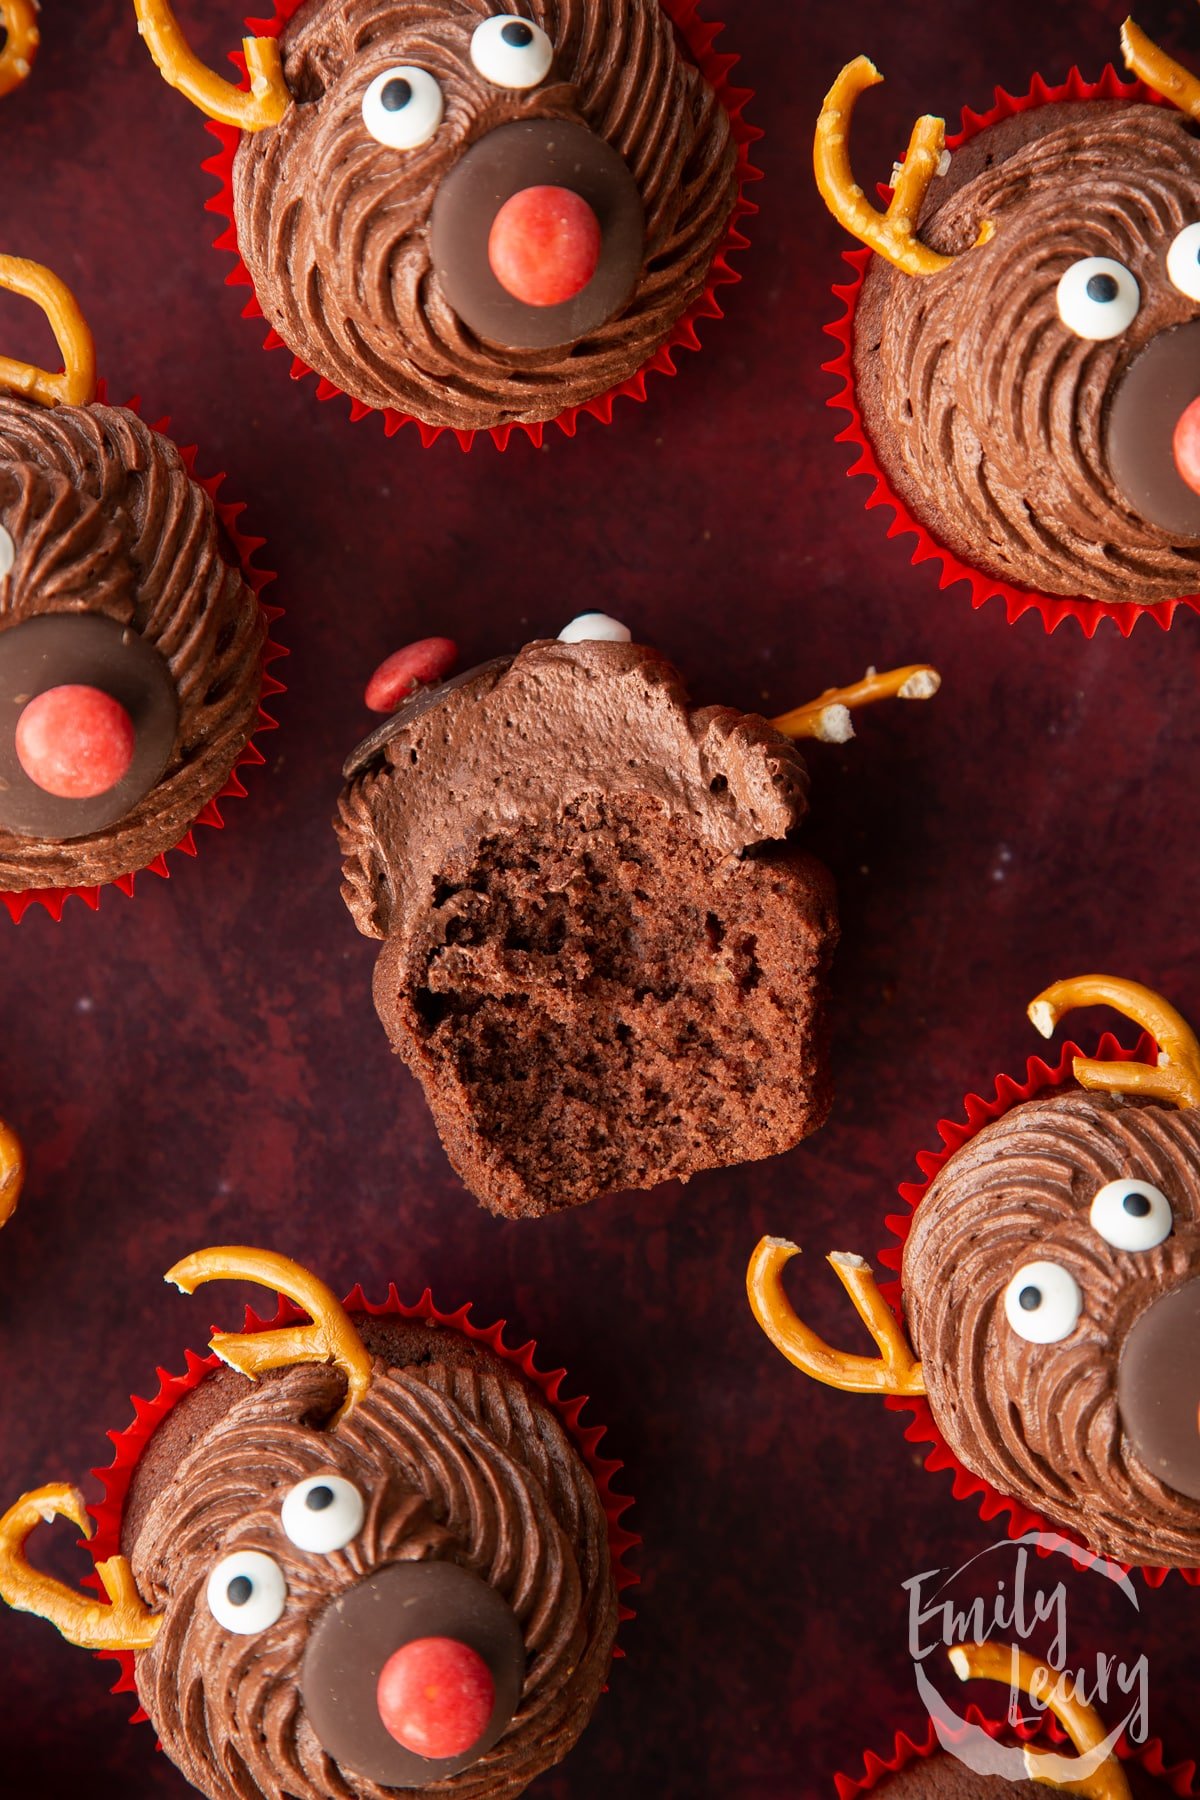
pixel 1178 1777
pixel 130 1442
pixel 1052 609
pixel 1040 1077
pixel 699 40
pixel 54 899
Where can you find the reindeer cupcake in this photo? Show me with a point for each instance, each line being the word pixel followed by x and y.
pixel 1049 1304
pixel 1023 355
pixel 372 1554
pixel 132 642
pixel 473 215
pixel 603 953
pixel 1066 1747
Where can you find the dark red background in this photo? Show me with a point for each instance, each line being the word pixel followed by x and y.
pixel 203 1063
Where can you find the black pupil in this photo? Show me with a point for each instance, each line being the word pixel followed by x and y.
pixel 1136 1205
pixel 1102 287
pixel 318 1498
pixel 1029 1299
pixel 239 1590
pixel 3 39
pixel 396 94
pixel 518 34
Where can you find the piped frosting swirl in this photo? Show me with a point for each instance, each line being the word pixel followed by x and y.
pixel 105 519
pixel 334 227
pixel 1041 1422
pixel 987 414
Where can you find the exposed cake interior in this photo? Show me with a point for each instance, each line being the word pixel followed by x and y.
pixel 602 1000
pixel 601 955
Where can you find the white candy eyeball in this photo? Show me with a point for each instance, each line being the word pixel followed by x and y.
pixel 8 552
pixel 323 1513
pixel 1131 1215
pixel 1098 298
pixel 511 52
pixel 1183 262
pixel 595 628
pixel 403 108
pixel 1042 1303
pixel 246 1592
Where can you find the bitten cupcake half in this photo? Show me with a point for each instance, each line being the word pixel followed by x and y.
pixel 604 955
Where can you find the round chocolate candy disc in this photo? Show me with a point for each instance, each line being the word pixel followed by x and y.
pixel 88 650
pixel 534 153
pixel 364 1627
pixel 1158 1388
pixel 1153 394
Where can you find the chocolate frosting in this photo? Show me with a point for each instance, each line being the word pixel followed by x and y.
pixel 990 417
pixel 530 738
pixel 334 227
pixel 105 519
pixel 1041 1422
pixel 456 1462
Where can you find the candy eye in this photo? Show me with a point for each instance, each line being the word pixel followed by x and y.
pixel 511 52
pixel 246 1592
pixel 403 108
pixel 1131 1215
pixel 1042 1303
pixel 595 628
pixel 1098 298
pixel 323 1513
pixel 8 552
pixel 1183 262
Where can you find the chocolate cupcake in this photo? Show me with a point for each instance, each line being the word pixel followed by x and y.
pixel 382 1564
pixel 1049 1304
pixel 603 957
pixel 1024 352
pixel 470 215
pixel 131 642
pixel 1062 1746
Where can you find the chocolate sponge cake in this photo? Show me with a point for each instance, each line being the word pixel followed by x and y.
pixel 601 956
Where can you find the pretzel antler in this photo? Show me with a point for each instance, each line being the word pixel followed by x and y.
pixel 894 1371
pixel 1176 1080
pixel 19 19
pixel 126 1623
pixel 827 718
pixel 330 1338
pixel 1159 71
pixel 892 233
pixel 268 99
pixel 77 383
pixel 1102 1780
pixel 12 1171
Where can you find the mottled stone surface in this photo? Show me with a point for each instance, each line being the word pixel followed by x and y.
pixel 204 1062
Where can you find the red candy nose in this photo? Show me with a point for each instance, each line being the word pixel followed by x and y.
pixel 398 675
pixel 1186 445
pixel 435 1696
pixel 544 245
pixel 75 742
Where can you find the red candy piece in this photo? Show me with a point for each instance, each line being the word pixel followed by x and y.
pixel 1186 445
pixel 435 1696
pixel 75 742
pixel 544 245
pixel 429 659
